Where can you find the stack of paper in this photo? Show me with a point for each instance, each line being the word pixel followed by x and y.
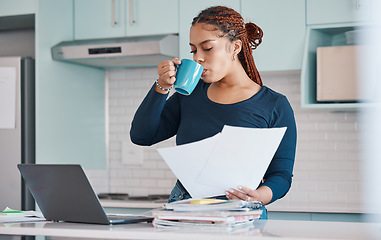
pixel 208 214
pixel 212 204
pixel 11 216
pixel 236 156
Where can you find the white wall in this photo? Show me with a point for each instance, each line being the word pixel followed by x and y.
pixel 326 174
pixel 127 88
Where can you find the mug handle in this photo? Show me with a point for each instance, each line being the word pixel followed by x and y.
pixel 176 65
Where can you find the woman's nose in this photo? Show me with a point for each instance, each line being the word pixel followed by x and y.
pixel 198 58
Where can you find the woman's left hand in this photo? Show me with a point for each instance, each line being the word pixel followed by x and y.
pixel 243 193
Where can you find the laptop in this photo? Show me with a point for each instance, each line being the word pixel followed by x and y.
pixel 64 193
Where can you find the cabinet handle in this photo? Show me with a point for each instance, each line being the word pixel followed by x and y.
pixel 113 22
pixel 132 20
pixel 357 4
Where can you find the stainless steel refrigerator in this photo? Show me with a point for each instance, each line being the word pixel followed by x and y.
pixel 17 129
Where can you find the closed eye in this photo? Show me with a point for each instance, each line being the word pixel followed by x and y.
pixel 206 50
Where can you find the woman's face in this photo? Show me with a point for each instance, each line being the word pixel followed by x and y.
pixel 212 51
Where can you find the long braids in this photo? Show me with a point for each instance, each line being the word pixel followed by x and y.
pixel 232 25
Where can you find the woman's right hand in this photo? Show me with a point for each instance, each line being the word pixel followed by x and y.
pixel 167 73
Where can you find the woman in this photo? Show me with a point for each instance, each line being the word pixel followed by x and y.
pixel 230 93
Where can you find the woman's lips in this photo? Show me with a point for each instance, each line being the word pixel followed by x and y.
pixel 203 72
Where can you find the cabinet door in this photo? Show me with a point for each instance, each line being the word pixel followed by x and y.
pixel 337 11
pixel 17 7
pixel 189 10
pixel 70 104
pixel 99 19
pixel 283 25
pixel 151 17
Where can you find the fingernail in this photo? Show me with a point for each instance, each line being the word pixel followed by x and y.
pixel 239 187
pixel 227 193
pixel 231 190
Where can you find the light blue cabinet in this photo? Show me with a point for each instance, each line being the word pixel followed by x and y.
pixel 99 19
pixel 316 216
pixel 283 25
pixel 338 11
pixel 70 99
pixel 17 7
pixel 120 18
pixel 152 17
pixel 190 9
pixel 327 23
pixel 325 35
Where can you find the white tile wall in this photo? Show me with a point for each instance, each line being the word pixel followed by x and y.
pixel 326 173
pixel 127 88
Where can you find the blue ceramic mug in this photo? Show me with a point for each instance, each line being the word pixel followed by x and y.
pixel 187 76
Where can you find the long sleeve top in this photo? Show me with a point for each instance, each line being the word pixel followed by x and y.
pixel 195 117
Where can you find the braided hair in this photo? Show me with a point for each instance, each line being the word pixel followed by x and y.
pixel 232 25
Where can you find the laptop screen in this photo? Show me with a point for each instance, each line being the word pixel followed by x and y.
pixel 63 193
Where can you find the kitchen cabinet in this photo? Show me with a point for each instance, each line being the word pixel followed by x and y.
pixel 99 19
pixel 283 40
pixel 283 32
pixel 119 18
pixel 17 7
pixel 152 17
pixel 70 99
pixel 338 11
pixel 328 29
pixel 322 36
pixel 190 9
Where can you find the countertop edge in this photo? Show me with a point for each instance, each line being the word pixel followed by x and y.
pixel 270 208
pixel 316 210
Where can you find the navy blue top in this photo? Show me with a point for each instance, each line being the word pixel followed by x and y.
pixel 195 117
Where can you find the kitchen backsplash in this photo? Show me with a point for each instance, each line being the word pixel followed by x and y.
pixel 327 170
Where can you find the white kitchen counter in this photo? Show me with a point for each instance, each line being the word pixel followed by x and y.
pixel 262 229
pixel 338 208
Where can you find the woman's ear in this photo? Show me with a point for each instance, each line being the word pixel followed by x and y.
pixel 236 47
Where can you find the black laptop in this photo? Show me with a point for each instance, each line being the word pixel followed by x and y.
pixel 63 193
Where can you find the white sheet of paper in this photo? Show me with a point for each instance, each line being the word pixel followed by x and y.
pixel 7 97
pixel 240 157
pixel 236 156
pixel 186 162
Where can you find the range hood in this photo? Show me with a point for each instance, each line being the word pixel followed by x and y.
pixel 128 52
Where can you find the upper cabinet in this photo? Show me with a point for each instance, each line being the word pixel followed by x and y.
pixel 120 18
pixel 152 17
pixel 68 129
pixel 329 24
pixel 99 19
pixel 190 9
pixel 17 7
pixel 338 11
pixel 283 25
